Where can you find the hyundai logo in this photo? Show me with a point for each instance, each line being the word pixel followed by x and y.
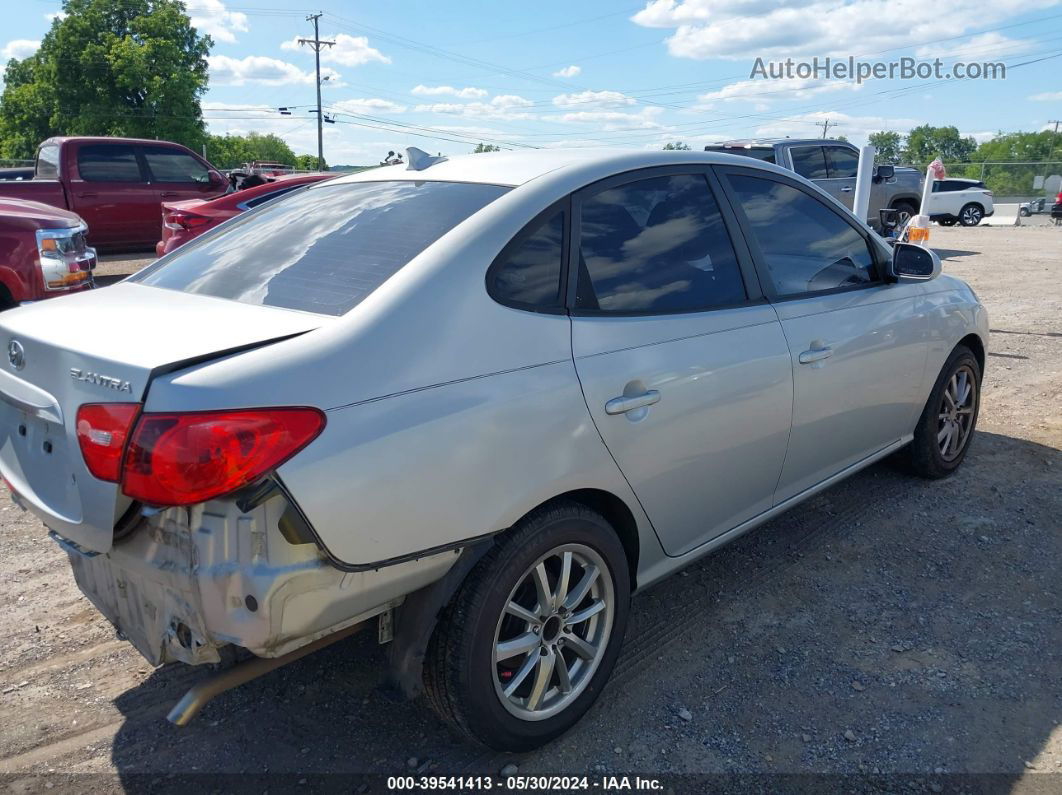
pixel 16 355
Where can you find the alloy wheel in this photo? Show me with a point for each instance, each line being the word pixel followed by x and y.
pixel 956 415
pixel 971 216
pixel 553 632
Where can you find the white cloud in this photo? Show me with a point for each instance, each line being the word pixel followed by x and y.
pixel 980 137
pixel 51 16
pixel 763 91
pixel 569 71
pixel 771 29
pixel 213 18
pixel 19 48
pixel 593 99
pixel 348 50
pixel 985 45
pixel 468 92
pixel 610 120
pixel 1049 96
pixel 369 106
pixel 501 107
pixel 228 71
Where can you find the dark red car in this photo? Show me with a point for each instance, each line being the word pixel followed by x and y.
pixel 182 221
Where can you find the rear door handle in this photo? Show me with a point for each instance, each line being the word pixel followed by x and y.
pixel 86 195
pixel 846 189
pixel 166 194
pixel 816 354
pixel 621 405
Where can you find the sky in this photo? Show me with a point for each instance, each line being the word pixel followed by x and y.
pixel 447 75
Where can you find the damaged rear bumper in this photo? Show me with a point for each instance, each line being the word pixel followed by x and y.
pixel 188 581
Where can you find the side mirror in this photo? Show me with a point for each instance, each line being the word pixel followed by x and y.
pixel 216 179
pixel 883 172
pixel 890 221
pixel 913 263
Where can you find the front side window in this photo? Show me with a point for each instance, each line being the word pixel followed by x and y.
pixel 809 162
pixel 321 250
pixel 805 245
pixel 841 162
pixel 656 245
pixel 171 165
pixel 47 162
pixel 108 163
pixel 527 274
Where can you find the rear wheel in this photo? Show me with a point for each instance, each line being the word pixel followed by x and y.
pixel 905 212
pixel 971 214
pixel 532 635
pixel 947 424
pixel 6 301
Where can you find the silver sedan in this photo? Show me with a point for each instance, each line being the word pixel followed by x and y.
pixel 477 402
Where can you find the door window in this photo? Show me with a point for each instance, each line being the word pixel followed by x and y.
pixel 171 165
pixel 841 162
pixel 108 163
pixel 806 246
pixel 527 274
pixel 656 245
pixel 47 162
pixel 809 162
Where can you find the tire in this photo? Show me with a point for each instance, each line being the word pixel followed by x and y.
pixel 971 214
pixel 907 210
pixel 1024 212
pixel 947 221
pixel 6 301
pixel 925 455
pixel 465 682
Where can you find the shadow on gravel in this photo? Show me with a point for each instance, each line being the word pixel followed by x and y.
pixel 887 626
pixel 954 253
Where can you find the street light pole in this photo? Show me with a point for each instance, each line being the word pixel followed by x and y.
pixel 317 44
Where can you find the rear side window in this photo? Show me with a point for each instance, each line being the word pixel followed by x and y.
pixel 250 204
pixel 656 245
pixel 841 162
pixel 527 274
pixel 321 250
pixel 47 162
pixel 806 246
pixel 108 163
pixel 809 161
pixel 172 165
pixel 766 154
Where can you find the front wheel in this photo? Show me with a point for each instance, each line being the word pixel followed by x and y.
pixel 971 214
pixel 532 635
pixel 947 424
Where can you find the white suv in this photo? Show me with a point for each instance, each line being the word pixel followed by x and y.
pixel 964 200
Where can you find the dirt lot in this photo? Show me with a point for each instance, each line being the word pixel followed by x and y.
pixel 888 626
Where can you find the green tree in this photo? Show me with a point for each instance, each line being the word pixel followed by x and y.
pixel 308 163
pixel 486 148
pixel 231 151
pixel 889 146
pixel 926 143
pixel 676 146
pixel 1000 154
pixel 135 67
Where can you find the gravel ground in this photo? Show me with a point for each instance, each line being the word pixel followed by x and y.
pixel 887 626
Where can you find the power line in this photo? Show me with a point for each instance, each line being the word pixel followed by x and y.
pixel 317 44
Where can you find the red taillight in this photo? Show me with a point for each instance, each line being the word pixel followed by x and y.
pixel 183 219
pixel 102 429
pixel 186 458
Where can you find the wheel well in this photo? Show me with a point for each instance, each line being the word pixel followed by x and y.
pixel 973 342
pixel 905 200
pixel 618 515
pixel 6 300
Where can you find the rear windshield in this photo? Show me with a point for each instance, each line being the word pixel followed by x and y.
pixel 765 154
pixel 321 250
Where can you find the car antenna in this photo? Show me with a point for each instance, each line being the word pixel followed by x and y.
pixel 418 159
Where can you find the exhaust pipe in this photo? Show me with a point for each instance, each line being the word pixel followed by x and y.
pixel 202 693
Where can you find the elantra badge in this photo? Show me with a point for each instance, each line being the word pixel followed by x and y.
pixel 87 377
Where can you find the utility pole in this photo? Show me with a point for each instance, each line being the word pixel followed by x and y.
pixel 317 44
pixel 826 126
pixel 1055 122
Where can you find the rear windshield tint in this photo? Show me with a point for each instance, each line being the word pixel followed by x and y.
pixel 321 250
pixel 766 154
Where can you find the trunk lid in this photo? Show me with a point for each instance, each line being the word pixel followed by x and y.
pixel 104 346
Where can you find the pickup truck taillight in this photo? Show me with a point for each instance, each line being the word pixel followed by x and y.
pixel 183 219
pixel 185 458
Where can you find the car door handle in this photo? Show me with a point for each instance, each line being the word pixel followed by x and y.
pixel 166 194
pixel 86 195
pixel 846 189
pixel 816 354
pixel 621 405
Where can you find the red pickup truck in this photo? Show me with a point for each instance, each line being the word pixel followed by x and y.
pixel 42 252
pixel 117 184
